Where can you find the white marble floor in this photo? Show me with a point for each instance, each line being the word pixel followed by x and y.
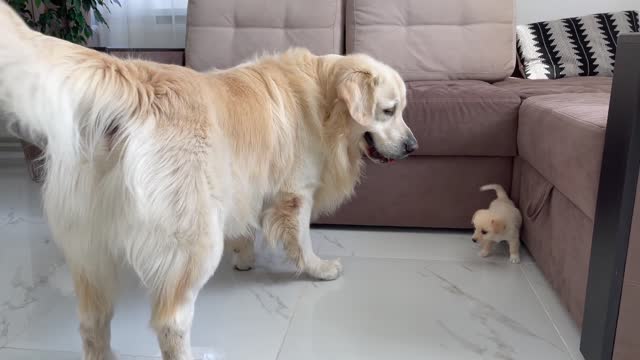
pixel 404 295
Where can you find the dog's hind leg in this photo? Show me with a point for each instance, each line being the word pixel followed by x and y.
pixel 287 221
pixel 191 265
pixel 95 291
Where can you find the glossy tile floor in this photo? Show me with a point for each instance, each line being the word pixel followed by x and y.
pixel 404 295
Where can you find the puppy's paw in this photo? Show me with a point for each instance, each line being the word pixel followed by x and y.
pixel 483 253
pixel 326 270
pixel 242 268
pixel 244 260
pixel 514 259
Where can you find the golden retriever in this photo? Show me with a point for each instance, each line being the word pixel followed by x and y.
pixel 154 165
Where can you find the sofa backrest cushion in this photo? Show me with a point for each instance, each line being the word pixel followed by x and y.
pixel 224 33
pixel 435 39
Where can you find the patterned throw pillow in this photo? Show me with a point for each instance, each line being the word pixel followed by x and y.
pixel 584 46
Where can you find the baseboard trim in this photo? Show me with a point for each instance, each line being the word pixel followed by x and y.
pixel 10 148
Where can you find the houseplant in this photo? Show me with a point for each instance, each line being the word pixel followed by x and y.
pixel 64 19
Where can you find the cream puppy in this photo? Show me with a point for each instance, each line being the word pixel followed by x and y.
pixel 500 222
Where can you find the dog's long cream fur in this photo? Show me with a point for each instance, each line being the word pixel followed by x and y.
pixel 155 164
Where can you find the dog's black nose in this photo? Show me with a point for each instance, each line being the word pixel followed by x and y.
pixel 410 145
pixel 474 240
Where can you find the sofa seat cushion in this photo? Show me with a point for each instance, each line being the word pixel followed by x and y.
pixel 222 34
pixel 423 191
pixel 562 136
pixel 462 118
pixel 577 85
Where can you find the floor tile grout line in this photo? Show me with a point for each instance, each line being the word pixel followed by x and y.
pixel 546 311
pixel 529 259
pixel 452 260
pixel 39 350
pixel 79 352
pixel 293 316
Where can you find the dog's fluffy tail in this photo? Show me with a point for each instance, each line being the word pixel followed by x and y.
pixel 497 188
pixel 67 94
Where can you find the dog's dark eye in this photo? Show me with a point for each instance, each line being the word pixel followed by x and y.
pixel 389 111
pixel 484 232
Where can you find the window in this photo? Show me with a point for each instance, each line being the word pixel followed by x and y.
pixel 143 24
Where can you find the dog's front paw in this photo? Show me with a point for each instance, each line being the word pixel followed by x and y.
pixel 483 253
pixel 514 259
pixel 326 270
pixel 92 354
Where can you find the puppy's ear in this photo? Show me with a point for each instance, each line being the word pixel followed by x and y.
pixel 498 225
pixel 357 91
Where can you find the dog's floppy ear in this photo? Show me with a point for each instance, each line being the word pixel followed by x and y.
pixel 498 225
pixel 357 91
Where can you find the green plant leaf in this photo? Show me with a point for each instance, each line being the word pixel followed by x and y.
pixel 63 18
pixel 99 17
pixel 20 6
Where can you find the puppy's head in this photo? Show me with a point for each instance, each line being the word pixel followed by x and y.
pixel 488 226
pixel 374 96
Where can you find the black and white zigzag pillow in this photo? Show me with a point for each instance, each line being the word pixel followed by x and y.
pixel 583 46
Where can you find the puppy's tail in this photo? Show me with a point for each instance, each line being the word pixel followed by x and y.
pixel 64 93
pixel 498 189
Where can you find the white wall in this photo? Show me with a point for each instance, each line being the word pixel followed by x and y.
pixel 529 11
pixel 145 24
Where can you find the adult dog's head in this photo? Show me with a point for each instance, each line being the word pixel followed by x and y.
pixel 375 96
